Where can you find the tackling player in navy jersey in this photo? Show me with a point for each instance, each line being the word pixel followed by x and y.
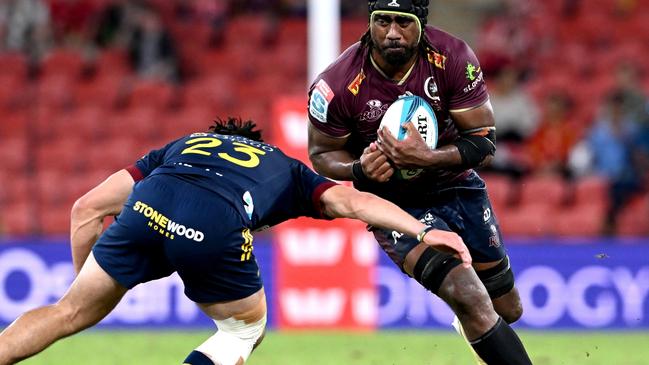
pixel 400 55
pixel 192 207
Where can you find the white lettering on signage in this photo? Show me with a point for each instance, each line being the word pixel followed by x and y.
pixel 312 306
pixel 365 250
pixel 407 298
pixel 306 247
pixel 294 129
pixel 36 271
pixel 365 307
pixel 602 311
pixel 635 289
pixel 145 304
pixel 591 297
pixel 547 278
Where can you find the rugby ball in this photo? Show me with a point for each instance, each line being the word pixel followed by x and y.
pixel 411 108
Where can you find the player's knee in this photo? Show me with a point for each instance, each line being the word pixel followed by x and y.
pixel 69 316
pixel 511 312
pixel 499 280
pixel 234 341
pixel 467 297
pixel 432 267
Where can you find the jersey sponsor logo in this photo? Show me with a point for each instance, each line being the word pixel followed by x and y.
pixel 248 204
pixel 355 86
pixel 321 96
pixel 432 91
pixel 472 71
pixel 377 109
pixel 474 75
pixel 486 215
pixel 165 226
pixel 437 59
pixel 494 239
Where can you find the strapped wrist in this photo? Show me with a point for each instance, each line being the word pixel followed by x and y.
pixel 357 172
pixel 422 234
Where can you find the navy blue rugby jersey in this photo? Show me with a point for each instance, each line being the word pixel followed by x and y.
pixel 260 181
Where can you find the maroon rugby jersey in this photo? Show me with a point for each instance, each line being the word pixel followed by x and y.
pixel 351 95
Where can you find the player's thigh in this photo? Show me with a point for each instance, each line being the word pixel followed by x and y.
pixel 131 250
pixel 468 211
pixel 92 295
pixel 221 265
pixel 249 309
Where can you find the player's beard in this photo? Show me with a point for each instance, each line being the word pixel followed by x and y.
pixel 399 55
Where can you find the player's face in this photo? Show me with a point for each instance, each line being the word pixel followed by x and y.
pixel 395 37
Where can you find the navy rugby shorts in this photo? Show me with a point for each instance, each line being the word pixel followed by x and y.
pixel 169 225
pixel 464 209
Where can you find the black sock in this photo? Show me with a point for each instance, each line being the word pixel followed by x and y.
pixel 501 346
pixel 197 358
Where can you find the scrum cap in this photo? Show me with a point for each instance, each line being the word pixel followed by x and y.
pixel 418 8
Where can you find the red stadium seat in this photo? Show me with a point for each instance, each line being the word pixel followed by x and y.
pixel 64 62
pixel 17 219
pixel 591 190
pixel 255 27
pixel 499 188
pixel 14 154
pixel 113 155
pixel 633 220
pixel 549 190
pixel 104 90
pixel 54 91
pixel 52 186
pixel 530 220
pixel 113 62
pixel 584 220
pixel 351 31
pixel 13 63
pixel 87 122
pixel 134 122
pixel 64 154
pixel 15 92
pixel 293 31
pixel 15 187
pixel 151 93
pixel 214 91
pixel 55 220
pixel 14 125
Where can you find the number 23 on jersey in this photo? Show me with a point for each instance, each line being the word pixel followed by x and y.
pixel 202 146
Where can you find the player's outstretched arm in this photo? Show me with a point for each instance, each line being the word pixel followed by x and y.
pixel 346 202
pixel 89 211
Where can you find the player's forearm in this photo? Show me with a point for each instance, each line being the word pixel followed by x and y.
pixel 89 211
pixel 444 157
pixel 381 213
pixel 335 165
pixel 85 227
pixel 345 202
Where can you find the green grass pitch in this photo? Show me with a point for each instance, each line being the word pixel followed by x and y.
pixel 320 348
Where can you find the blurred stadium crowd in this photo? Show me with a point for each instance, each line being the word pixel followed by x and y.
pixel 87 85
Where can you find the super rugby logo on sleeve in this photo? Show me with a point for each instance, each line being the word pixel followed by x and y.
pixel 321 96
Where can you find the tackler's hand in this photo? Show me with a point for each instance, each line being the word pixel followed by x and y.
pixel 411 152
pixel 448 242
pixel 375 164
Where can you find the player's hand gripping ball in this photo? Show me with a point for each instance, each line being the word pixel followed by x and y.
pixel 411 108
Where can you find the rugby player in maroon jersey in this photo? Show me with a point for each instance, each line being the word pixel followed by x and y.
pixel 400 55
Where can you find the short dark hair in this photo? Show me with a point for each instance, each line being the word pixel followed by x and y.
pixel 236 126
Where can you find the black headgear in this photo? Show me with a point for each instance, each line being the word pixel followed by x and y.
pixel 418 8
